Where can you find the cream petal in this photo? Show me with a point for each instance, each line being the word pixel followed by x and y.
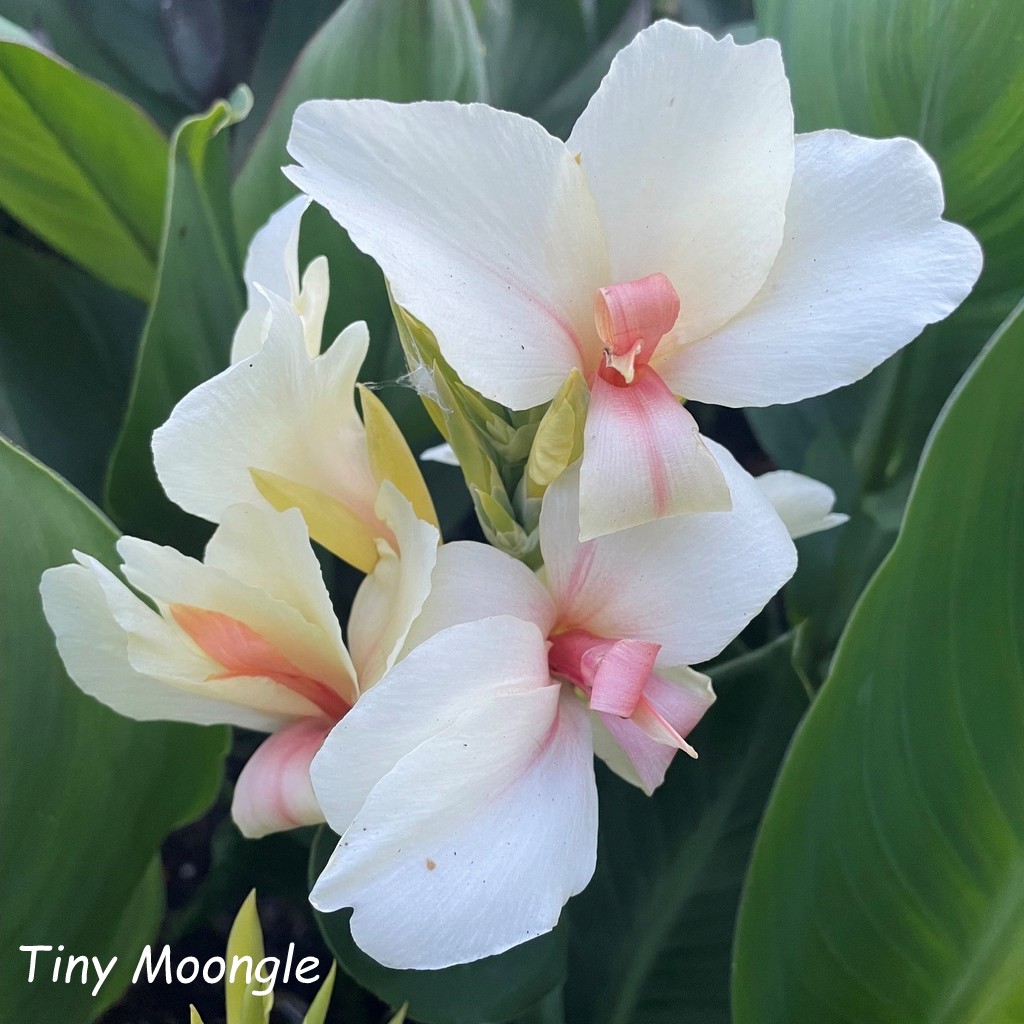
pixel 690 583
pixel 804 505
pixel 866 264
pixel 482 224
pixel 92 614
pixel 476 839
pixel 688 149
pixel 273 792
pixel 475 581
pixel 391 597
pixel 278 412
pixel 643 458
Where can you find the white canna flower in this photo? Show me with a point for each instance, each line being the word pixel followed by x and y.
pixel 804 505
pixel 682 242
pixel 246 637
pixel 462 786
pixel 281 424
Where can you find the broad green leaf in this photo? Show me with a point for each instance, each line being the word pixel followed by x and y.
pixel 122 44
pixel 81 167
pixel 67 343
pixel 198 302
pixel 949 73
pixel 496 988
pixel 86 796
pixel 887 885
pixel 651 937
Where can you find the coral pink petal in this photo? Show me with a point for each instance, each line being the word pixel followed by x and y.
pixel 274 792
pixel 643 458
pixel 650 758
pixel 634 316
pixel 244 652
pixel 681 707
pixel 621 675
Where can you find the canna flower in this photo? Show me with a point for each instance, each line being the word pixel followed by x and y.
pixel 246 637
pixel 682 242
pixel 462 785
pixel 803 504
pixel 281 425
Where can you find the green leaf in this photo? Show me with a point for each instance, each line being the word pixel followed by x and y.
pixel 198 302
pixel 82 167
pixel 888 881
pixel 651 937
pixel 496 988
pixel 86 796
pixel 67 343
pixel 317 1013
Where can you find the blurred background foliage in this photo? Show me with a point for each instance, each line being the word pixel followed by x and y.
pixel 134 168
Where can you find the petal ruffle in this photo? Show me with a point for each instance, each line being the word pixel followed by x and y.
pixel 688 149
pixel 475 840
pixel 482 223
pixel 690 583
pixel 866 264
pixel 643 458
pixel 273 792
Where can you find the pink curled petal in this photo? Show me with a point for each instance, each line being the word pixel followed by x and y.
pixel 680 702
pixel 632 317
pixel 643 459
pixel 274 792
pixel 648 758
pixel 622 675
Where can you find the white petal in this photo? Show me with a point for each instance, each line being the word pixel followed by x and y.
pixel 272 263
pixel 804 505
pixel 474 581
pixel 866 264
pixel 690 583
pixel 391 597
pixel 94 648
pixel 475 840
pixel 273 792
pixel 278 411
pixel 688 149
pixel 442 453
pixel 643 458
pixel 422 695
pixel 482 224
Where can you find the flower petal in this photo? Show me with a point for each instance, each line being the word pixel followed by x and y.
pixel 442 453
pixel 273 792
pixel 643 458
pixel 804 505
pixel 476 839
pixel 629 752
pixel 482 224
pixel 688 150
pixel 422 695
pixel 866 264
pixel 689 583
pixel 172 578
pixel 391 597
pixel 93 645
pixel 473 581
pixel 281 413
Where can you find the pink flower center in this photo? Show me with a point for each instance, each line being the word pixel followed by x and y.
pixel 244 652
pixel 613 673
pixel 632 318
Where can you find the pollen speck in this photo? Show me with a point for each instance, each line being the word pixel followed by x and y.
pixel 431 864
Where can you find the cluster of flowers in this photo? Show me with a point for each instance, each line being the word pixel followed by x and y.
pixel 555 300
